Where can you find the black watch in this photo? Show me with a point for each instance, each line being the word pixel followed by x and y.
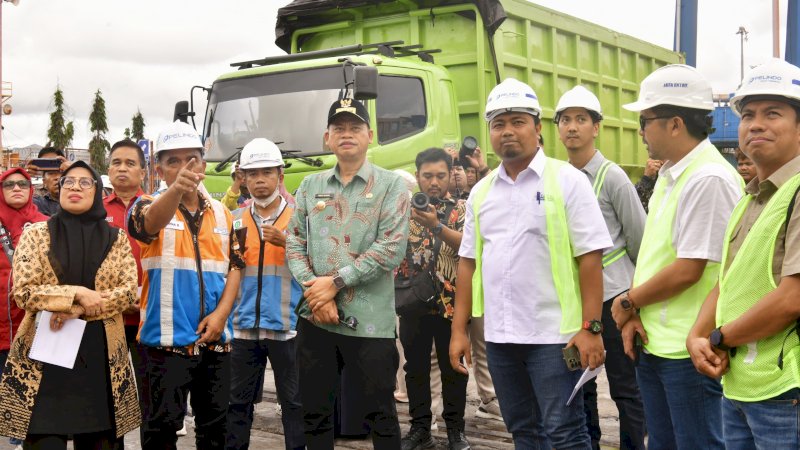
pixel 593 326
pixel 437 230
pixel 338 281
pixel 716 339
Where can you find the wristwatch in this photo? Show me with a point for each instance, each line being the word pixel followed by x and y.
pixel 593 326
pixel 716 339
pixel 626 302
pixel 437 229
pixel 338 281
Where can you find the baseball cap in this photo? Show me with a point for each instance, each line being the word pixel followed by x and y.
pixel 348 106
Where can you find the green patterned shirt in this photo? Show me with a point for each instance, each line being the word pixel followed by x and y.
pixel 361 230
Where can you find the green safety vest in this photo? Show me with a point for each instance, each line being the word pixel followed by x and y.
pixel 612 255
pixel 667 323
pixel 754 372
pixel 564 269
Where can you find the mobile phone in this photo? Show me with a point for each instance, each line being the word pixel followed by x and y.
pixel 47 163
pixel 572 357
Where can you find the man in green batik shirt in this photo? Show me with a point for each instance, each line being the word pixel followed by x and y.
pixel 346 237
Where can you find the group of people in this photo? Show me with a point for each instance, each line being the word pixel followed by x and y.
pixel 559 263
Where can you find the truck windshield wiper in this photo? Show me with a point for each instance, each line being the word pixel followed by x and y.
pixel 313 162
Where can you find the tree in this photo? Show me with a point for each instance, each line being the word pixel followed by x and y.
pixel 99 145
pixel 137 127
pixel 60 132
pixel 127 133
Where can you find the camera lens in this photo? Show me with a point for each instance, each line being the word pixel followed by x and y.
pixel 420 200
pixel 468 147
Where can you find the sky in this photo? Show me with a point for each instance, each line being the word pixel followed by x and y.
pixel 147 54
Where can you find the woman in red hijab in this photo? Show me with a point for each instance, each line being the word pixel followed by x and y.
pixel 16 211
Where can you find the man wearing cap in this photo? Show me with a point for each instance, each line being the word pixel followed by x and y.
pixel 747 329
pixel 679 258
pixel 192 268
pixel 263 317
pixel 578 115
pixel 537 276
pixel 346 237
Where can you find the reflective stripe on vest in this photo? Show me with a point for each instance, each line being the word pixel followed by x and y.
pixel 275 276
pixel 613 255
pixel 564 270
pixel 164 261
pixel 667 323
pixel 754 374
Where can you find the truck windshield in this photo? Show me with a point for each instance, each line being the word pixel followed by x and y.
pixel 288 107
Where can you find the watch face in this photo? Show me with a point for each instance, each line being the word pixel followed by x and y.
pixel 626 304
pixel 715 337
pixel 595 327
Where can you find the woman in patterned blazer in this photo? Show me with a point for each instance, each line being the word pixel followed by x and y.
pixel 76 266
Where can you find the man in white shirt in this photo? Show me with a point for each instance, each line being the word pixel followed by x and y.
pixel 679 258
pixel 533 239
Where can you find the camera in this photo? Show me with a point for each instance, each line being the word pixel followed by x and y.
pixel 468 146
pixel 420 200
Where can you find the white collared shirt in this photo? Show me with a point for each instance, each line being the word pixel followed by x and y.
pixel 704 206
pixel 520 302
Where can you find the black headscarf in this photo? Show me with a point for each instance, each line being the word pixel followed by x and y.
pixel 80 243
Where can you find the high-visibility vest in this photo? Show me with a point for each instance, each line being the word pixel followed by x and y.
pixel 183 279
pixel 755 373
pixel 562 262
pixel 610 256
pixel 667 323
pixel 268 293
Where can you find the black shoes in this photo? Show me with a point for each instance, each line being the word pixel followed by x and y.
pixel 456 440
pixel 419 438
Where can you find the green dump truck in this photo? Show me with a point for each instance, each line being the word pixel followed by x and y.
pixel 436 62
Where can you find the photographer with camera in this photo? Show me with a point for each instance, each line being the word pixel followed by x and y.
pixel 425 290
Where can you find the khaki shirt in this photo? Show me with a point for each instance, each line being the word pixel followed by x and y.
pixel 786 260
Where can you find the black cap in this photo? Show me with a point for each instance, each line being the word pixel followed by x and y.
pixel 348 106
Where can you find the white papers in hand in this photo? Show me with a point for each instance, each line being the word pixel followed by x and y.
pixel 587 375
pixel 60 347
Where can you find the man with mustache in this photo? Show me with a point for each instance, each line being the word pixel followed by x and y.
pixel 578 115
pixel 747 331
pixel 346 237
pixel 533 241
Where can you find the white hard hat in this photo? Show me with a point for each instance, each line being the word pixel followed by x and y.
pixel 260 153
pixel 776 78
pixel 579 97
pixel 676 85
pixel 512 96
pixel 178 135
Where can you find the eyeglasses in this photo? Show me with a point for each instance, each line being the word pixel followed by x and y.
pixel 349 321
pixel 9 184
pixel 69 182
pixel 643 120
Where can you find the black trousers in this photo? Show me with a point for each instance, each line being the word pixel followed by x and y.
pixel 621 372
pixel 169 378
pixel 104 440
pixel 416 335
pixel 321 355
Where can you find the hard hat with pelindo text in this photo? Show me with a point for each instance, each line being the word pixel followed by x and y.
pixel 178 135
pixel 512 95
pixel 772 80
pixel 260 153
pixel 676 85
pixel 579 97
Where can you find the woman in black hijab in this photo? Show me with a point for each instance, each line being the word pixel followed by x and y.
pixel 76 266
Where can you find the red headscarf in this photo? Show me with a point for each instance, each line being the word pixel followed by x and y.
pixel 14 220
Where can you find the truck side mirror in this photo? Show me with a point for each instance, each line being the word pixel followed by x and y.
pixel 365 82
pixel 181 111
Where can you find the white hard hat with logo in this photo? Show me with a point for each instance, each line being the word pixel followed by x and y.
pixel 178 135
pixel 676 85
pixel 512 96
pixel 260 153
pixel 776 78
pixel 579 97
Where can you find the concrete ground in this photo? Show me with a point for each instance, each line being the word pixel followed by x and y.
pixel 482 433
